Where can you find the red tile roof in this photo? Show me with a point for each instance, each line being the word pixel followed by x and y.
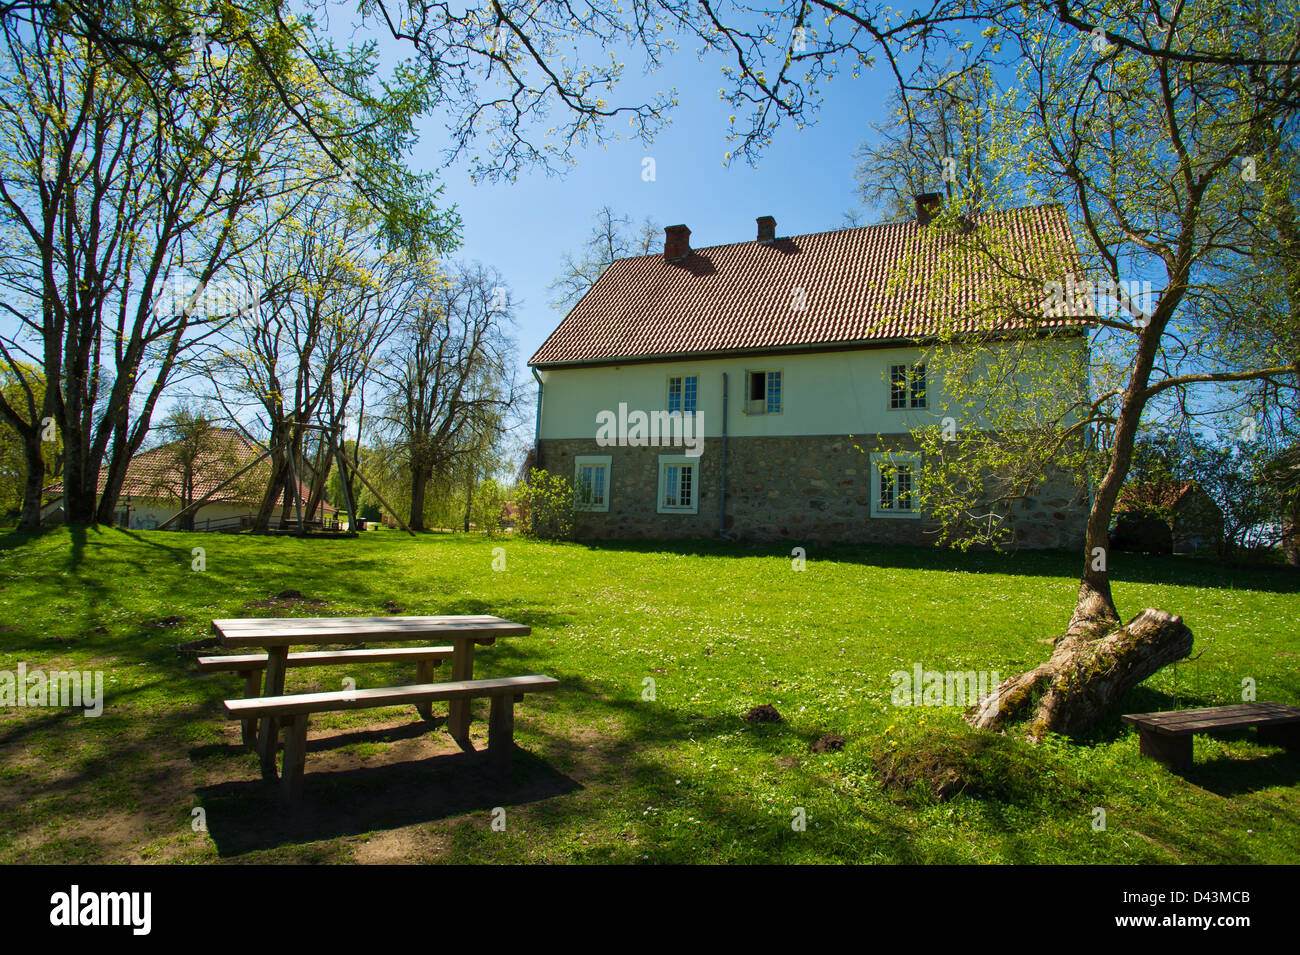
pixel 872 284
pixel 155 475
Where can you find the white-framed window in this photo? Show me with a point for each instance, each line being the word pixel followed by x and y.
pixel 893 485
pixel 907 386
pixel 679 484
pixel 591 482
pixel 683 393
pixel 764 391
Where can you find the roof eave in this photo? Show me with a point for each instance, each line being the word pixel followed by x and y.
pixel 859 344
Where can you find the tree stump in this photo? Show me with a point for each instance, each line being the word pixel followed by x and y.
pixel 1084 677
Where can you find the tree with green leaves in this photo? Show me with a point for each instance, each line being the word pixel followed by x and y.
pixel 123 198
pixel 1155 156
pixel 448 384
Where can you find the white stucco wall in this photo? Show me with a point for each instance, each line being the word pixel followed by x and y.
pixel 147 515
pixel 824 393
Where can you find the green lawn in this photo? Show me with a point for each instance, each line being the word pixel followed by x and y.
pixel 603 773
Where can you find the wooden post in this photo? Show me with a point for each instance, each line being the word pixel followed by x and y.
pixel 424 674
pixel 339 458
pixel 252 688
pixel 1174 751
pixel 196 504
pixel 462 668
pixel 295 758
pixel 388 507
pixel 268 736
pixel 501 732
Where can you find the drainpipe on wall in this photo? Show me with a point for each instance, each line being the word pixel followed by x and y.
pixel 537 426
pixel 722 481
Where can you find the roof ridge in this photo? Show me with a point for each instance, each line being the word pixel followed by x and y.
pixel 846 229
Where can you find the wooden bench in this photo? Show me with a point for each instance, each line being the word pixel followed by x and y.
pixel 293 712
pixel 1167 737
pixel 251 666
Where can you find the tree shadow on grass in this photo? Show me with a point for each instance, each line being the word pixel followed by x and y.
pixel 246 816
pixel 1181 570
pixel 1230 776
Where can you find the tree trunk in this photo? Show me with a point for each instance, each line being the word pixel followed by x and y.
pixel 419 483
pixel 469 500
pixel 1291 537
pixel 1084 677
pixel 33 452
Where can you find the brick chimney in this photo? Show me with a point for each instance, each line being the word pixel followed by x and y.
pixel 766 230
pixel 677 243
pixel 927 207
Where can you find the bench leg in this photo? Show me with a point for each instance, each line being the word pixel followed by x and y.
pixel 1288 735
pixel 252 688
pixel 501 732
pixel 268 734
pixel 1174 751
pixel 462 668
pixel 295 758
pixel 424 674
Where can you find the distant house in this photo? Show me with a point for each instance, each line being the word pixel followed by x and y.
pixel 1167 516
pixel 726 390
pixel 155 487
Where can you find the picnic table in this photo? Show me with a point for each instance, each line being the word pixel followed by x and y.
pixel 277 635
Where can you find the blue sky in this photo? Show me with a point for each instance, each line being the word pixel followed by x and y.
pixel 805 180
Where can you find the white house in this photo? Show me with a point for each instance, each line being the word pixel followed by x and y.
pixel 729 390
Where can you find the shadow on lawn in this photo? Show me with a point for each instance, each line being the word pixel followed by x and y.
pixel 1183 570
pixel 245 816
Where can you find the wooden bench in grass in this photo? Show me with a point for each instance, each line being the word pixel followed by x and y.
pixel 1167 737
pixel 293 713
pixel 250 666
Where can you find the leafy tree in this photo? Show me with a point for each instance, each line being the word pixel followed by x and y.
pixel 123 198
pixel 448 383
pixel 1144 150
pixel 192 443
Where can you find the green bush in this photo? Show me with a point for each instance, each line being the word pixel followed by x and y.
pixel 544 504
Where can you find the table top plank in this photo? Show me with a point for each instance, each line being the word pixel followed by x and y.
pixel 1208 718
pixel 287 631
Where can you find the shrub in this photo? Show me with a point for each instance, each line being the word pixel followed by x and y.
pixel 545 506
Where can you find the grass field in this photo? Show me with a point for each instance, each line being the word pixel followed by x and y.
pixel 603 773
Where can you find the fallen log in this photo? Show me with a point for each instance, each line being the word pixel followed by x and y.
pixel 1084 677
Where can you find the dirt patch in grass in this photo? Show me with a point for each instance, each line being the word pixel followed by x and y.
pixel 284 600
pixel 830 743
pixel 765 713
pixel 399 846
